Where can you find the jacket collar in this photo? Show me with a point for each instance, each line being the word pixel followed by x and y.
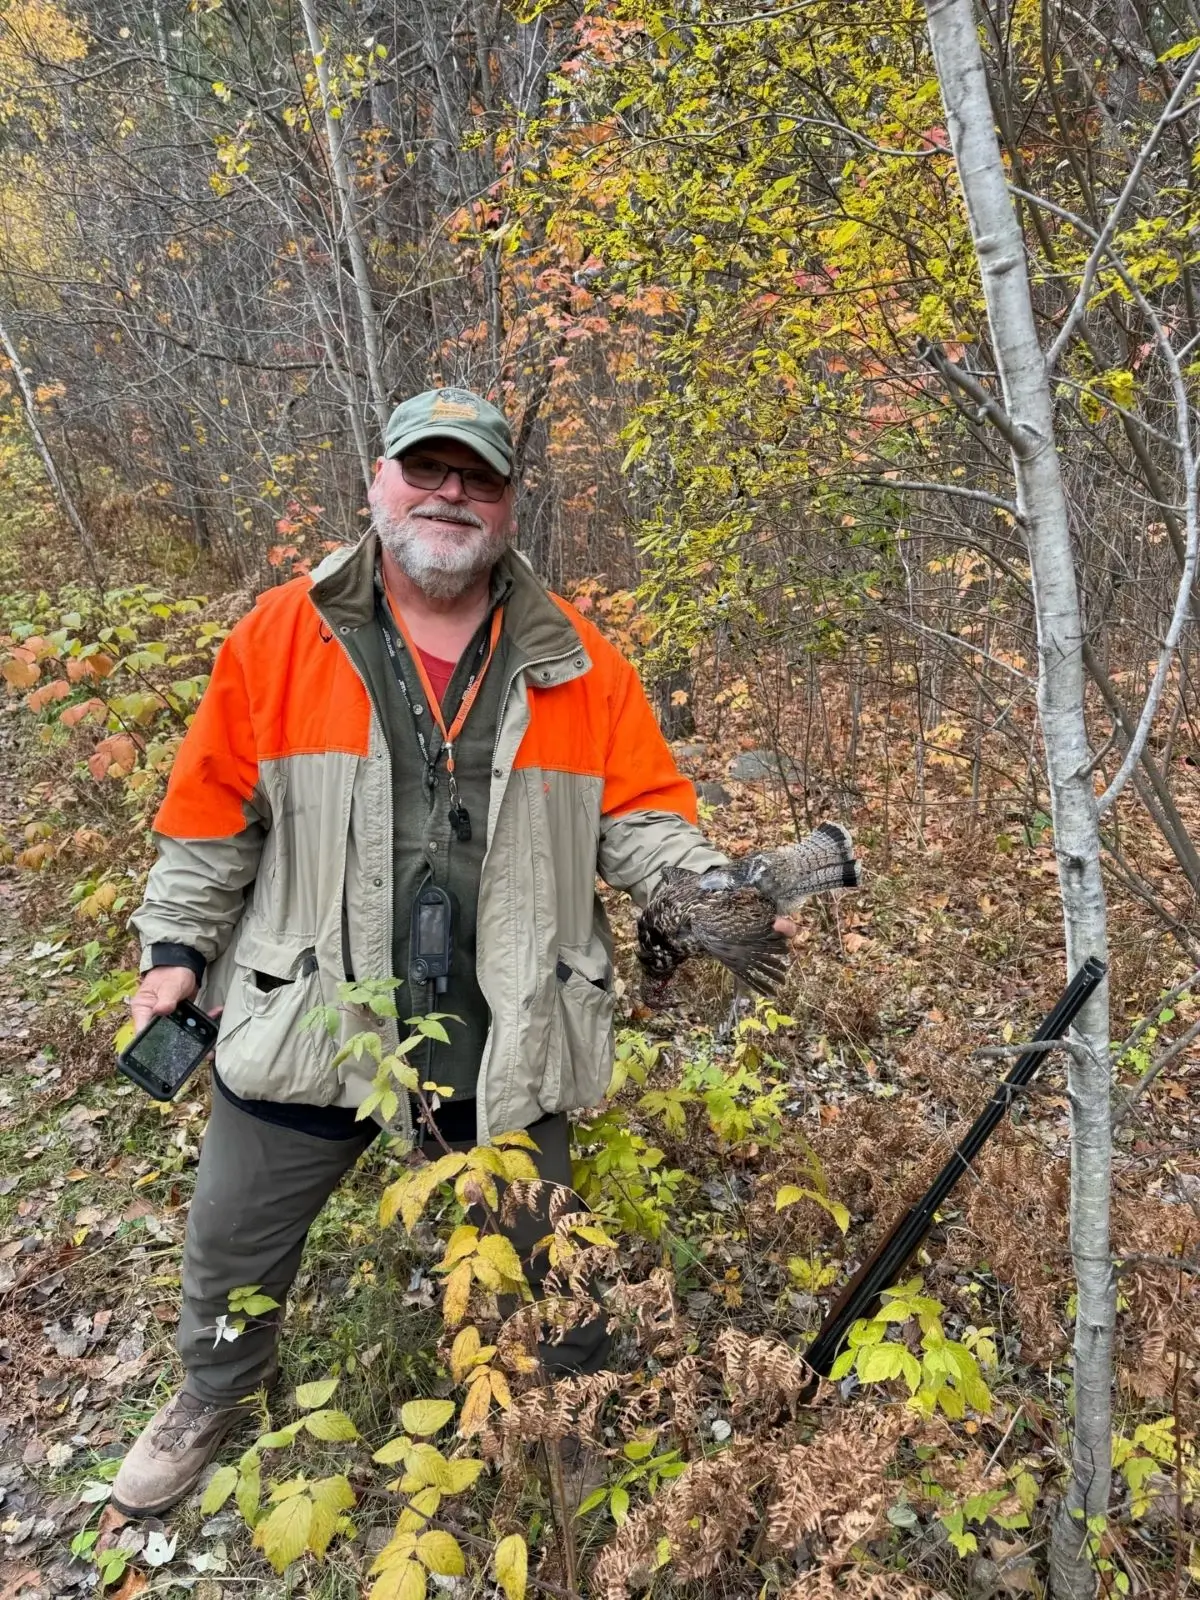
pixel 538 629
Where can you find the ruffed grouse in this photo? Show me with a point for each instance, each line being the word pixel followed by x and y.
pixel 729 913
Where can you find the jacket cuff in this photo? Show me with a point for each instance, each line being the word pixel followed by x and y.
pixel 178 955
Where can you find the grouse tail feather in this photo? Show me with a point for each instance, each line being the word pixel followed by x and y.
pixel 825 860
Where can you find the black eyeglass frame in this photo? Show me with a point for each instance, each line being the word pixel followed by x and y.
pixel 466 476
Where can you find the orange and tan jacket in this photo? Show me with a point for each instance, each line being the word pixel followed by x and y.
pixel 275 845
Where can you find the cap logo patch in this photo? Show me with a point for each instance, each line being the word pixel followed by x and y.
pixel 447 409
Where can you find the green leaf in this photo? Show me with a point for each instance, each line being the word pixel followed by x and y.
pixel 249 1491
pixel 311 1395
pixel 596 1498
pixel 618 1504
pixel 220 1486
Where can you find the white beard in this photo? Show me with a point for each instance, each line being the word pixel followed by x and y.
pixel 442 564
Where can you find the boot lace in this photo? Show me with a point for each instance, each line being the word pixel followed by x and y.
pixel 183 1421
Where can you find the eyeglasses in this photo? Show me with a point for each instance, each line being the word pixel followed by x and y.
pixel 479 483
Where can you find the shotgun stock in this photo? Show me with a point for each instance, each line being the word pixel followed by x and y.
pixel 884 1265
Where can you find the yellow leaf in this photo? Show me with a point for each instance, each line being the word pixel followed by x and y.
pixel 486 1272
pixel 330 1425
pixel 147 1177
pixel 220 1486
pixel 458 1294
pixel 500 1389
pixel 518 1137
pixel 421 1507
pixel 426 1416
pixel 311 1395
pixel 426 1469
pixel 788 1195
pixel 463 1352
pixel 284 1534
pixel 460 1243
pixel 405 1582
pixel 512 1566
pixel 394 1450
pixel 322 1529
pixel 441 1553
pixel 460 1474
pixel 401 1547
pixel 500 1252
pixel 334 1492
pixel 477 1404
pixel 474 1187
pixel 519 1167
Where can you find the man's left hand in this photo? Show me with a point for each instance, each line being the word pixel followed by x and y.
pixel 786 927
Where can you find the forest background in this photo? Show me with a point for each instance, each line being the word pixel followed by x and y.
pixel 718 269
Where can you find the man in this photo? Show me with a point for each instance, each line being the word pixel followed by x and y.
pixel 420 716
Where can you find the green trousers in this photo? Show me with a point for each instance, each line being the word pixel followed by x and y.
pixel 259 1188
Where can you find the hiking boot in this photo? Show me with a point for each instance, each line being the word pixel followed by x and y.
pixel 170 1453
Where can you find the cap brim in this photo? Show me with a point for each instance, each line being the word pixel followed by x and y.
pixel 482 447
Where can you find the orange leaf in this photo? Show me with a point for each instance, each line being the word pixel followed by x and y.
pixel 20 674
pixel 56 689
pixel 114 757
pixel 77 713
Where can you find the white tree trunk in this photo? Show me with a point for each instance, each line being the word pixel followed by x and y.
pixel 351 223
pixel 1042 502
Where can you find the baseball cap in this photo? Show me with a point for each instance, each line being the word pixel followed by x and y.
pixel 451 414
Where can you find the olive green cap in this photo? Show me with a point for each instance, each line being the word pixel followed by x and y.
pixel 451 414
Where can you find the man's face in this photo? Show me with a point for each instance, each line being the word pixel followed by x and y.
pixel 440 538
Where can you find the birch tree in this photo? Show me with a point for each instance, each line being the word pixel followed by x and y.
pixel 1027 423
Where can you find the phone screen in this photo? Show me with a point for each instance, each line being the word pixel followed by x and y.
pixel 168 1051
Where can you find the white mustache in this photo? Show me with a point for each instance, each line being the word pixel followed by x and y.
pixel 448 513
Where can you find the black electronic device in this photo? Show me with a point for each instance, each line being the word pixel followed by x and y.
pixel 432 941
pixel 168 1050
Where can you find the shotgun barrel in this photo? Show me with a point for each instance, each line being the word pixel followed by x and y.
pixel 884 1265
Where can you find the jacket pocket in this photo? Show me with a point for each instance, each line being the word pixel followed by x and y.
pixel 580 1054
pixel 263 1053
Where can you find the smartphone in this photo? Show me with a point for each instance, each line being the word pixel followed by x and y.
pixel 168 1050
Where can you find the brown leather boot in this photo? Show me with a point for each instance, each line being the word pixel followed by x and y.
pixel 170 1453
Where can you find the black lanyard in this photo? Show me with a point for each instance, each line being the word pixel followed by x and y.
pixel 460 819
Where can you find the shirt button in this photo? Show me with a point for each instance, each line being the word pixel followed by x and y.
pixel 378 882
pixel 418 711
pixel 497 772
pixel 433 847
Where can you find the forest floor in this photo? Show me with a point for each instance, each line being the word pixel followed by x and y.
pixel 953 944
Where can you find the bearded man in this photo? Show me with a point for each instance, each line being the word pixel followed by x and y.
pixel 420 722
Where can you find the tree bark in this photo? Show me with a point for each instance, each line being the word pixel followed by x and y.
pixel 1041 499
pixel 57 483
pixel 351 224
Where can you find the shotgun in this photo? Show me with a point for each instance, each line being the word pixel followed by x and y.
pixel 884 1265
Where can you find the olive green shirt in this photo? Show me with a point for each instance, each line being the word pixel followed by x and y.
pixel 424 847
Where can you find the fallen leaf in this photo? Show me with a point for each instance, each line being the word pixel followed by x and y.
pixel 18 1581
pixel 132 1584
pixel 110 1521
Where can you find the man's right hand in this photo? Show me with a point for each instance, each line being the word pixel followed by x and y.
pixel 160 991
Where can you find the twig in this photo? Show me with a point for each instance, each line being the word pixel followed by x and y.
pixel 562 1513
pixel 1019 439
pixel 1104 238
pixel 996 1452
pixel 1176 1047
pixel 960 490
